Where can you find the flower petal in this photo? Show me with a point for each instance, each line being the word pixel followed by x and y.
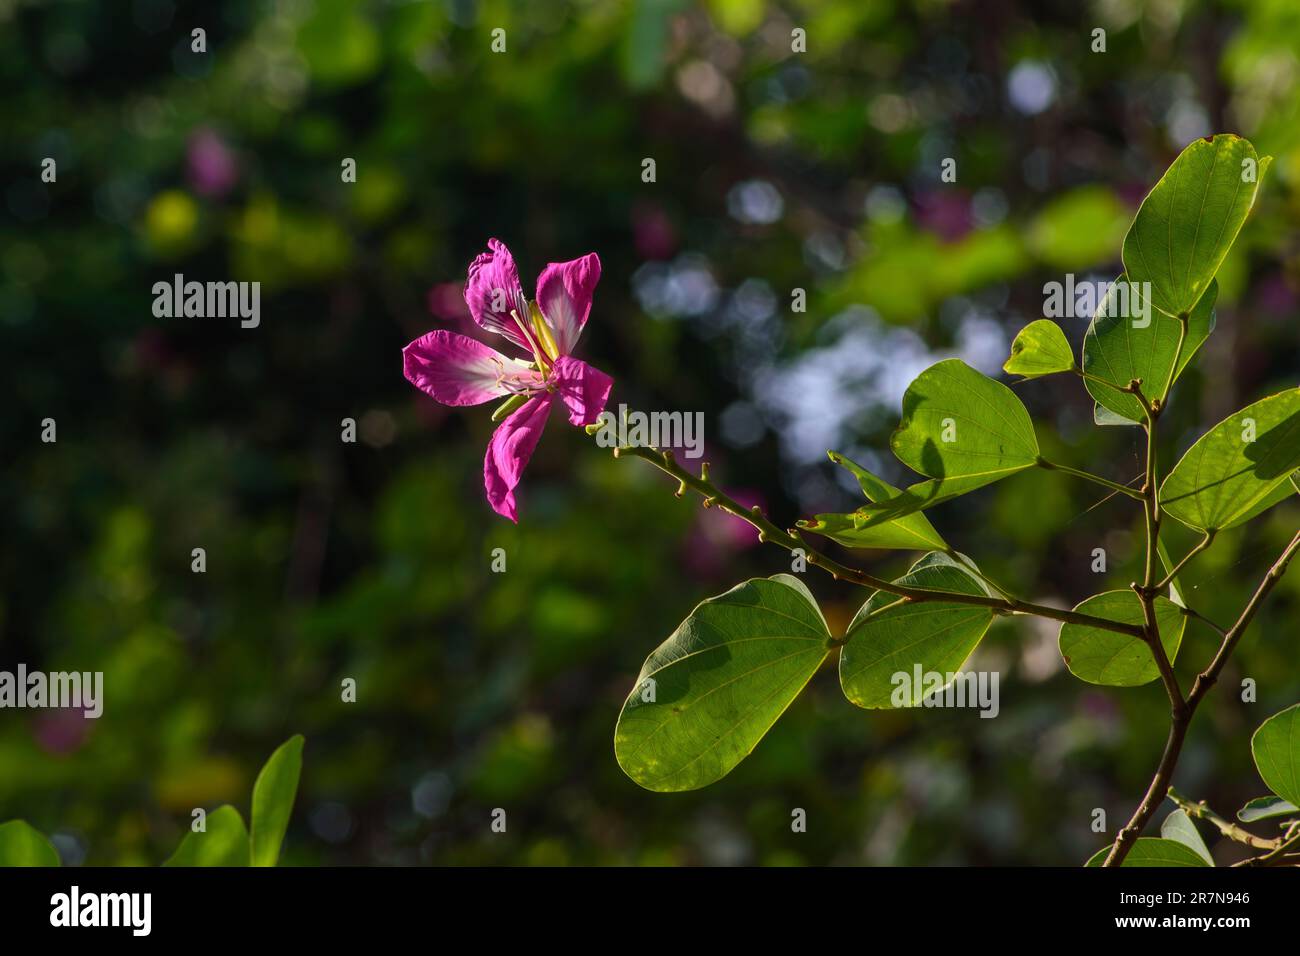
pixel 584 389
pixel 493 291
pixel 564 291
pixel 508 452
pixel 456 370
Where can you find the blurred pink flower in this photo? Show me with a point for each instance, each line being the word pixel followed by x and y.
pixel 457 370
pixel 212 168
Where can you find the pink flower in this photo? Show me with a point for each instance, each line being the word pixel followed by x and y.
pixel 457 370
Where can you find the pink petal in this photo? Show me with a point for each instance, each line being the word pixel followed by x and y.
pixel 584 389
pixel 508 452
pixel 564 291
pixel 493 291
pixel 456 370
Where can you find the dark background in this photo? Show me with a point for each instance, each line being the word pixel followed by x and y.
pixel 775 171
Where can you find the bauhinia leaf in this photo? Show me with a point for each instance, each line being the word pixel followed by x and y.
pixel 889 637
pixel 963 430
pixel 1190 219
pixel 21 844
pixel 861 530
pixel 223 842
pixel 1154 851
pixel 1239 468
pixel 1178 826
pixel 708 694
pixel 273 796
pixel 1276 748
pixel 1128 340
pixel 1040 349
pixel 1266 808
pixel 1118 660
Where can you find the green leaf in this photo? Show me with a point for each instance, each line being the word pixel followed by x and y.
pixel 1225 479
pixel 861 529
pixel 958 423
pixel 1178 826
pixel 887 637
pixel 1276 748
pixel 1118 660
pixel 1265 808
pixel 1117 350
pixel 223 843
pixel 1168 563
pixel 1040 349
pixel 1154 851
pixel 21 844
pixel 273 795
pixel 1189 221
pixel 708 694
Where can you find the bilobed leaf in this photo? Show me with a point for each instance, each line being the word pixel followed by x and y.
pixel 1225 479
pixel 1190 219
pixel 273 796
pixel 887 637
pixel 708 694
pixel 861 530
pixel 1121 345
pixel 1040 349
pixel 958 423
pixel 1178 826
pixel 1266 808
pixel 21 844
pixel 1276 748
pixel 1117 660
pixel 1154 851
pixel 224 842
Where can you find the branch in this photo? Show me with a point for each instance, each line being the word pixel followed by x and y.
pixel 1183 716
pixel 791 541
pixel 1226 827
pixel 1206 679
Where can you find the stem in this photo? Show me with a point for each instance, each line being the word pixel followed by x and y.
pixel 1173 573
pixel 1232 636
pixel 1226 827
pixel 1180 713
pixel 1178 355
pixel 1183 716
pixel 767 531
pixel 1089 476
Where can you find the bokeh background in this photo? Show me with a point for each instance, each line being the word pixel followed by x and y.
pixel 775 171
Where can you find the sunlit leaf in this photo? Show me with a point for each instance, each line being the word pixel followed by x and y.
pixel 1178 826
pixel 1239 468
pixel 224 842
pixel 21 844
pixel 888 637
pixel 1039 349
pixel 1266 808
pixel 1107 657
pixel 861 530
pixel 1276 748
pixel 1190 219
pixel 273 796
pixel 1120 346
pixel 708 694
pixel 1154 851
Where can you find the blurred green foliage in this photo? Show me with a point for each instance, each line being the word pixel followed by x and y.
pixel 371 561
